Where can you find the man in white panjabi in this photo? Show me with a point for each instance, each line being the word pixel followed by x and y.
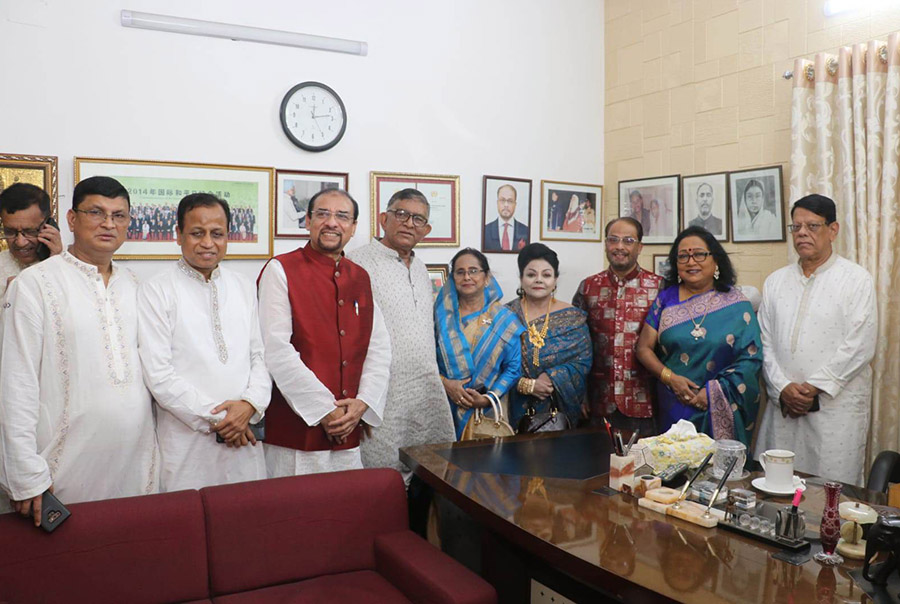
pixel 327 347
pixel 818 321
pixel 75 415
pixel 25 213
pixel 203 357
pixel 416 412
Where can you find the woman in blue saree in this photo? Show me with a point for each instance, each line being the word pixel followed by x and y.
pixel 477 337
pixel 702 340
pixel 556 347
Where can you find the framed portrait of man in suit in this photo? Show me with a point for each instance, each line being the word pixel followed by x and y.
pixel 506 214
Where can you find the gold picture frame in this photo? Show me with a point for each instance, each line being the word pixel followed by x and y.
pixel 442 193
pixel 39 170
pixel 156 187
pixel 571 211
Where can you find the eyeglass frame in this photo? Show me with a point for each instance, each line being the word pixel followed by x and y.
pixel 323 214
pixel 4 235
pixel 685 258
pixel 614 239
pixel 408 214
pixel 812 227
pixel 470 272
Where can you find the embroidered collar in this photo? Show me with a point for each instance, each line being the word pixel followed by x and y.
pixel 89 270
pixel 632 275
pixel 821 268
pixel 193 273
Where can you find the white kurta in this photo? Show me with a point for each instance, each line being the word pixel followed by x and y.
pixel 8 268
pixel 74 411
pixel 200 346
pixel 416 412
pixel 820 330
pixel 307 396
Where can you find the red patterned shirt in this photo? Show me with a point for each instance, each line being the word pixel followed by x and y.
pixel 616 311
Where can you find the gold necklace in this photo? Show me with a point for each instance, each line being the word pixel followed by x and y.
pixel 534 336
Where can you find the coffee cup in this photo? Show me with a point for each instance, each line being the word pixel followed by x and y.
pixel 778 465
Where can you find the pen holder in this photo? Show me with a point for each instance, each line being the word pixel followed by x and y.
pixel 621 472
pixel 790 525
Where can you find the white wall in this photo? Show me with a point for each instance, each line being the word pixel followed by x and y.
pixel 468 87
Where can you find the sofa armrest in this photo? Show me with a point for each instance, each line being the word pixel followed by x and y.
pixel 425 574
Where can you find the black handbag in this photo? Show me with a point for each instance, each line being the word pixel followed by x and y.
pixel 553 420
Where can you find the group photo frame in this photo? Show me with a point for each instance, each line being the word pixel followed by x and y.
pixel 704 203
pixel 293 190
pixel 156 188
pixel 655 203
pixel 442 193
pixel 757 205
pixel 38 170
pixel 571 211
pixel 505 214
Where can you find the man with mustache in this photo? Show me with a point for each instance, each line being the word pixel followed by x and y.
pixel 25 214
pixel 617 301
pixel 327 347
pixel 704 217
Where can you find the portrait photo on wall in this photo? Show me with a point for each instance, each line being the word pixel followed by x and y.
pixel 655 203
pixel 156 188
pixel 505 214
pixel 442 193
pixel 757 205
pixel 661 264
pixel 571 211
pixel 438 273
pixel 705 203
pixel 294 190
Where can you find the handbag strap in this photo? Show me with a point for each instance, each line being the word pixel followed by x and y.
pixel 497 407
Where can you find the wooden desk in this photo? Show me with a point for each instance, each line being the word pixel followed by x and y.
pixel 602 548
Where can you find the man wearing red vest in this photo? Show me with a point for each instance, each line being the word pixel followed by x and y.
pixel 327 347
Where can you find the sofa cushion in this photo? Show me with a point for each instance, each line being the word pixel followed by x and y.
pixel 284 530
pixel 136 549
pixel 360 587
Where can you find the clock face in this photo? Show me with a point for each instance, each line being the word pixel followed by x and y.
pixel 313 116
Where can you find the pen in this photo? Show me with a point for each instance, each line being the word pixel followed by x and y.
pixel 620 446
pixel 688 484
pixel 356 307
pixel 721 484
pixel 631 440
pixel 612 441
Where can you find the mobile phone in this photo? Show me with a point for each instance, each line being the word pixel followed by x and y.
pixel 479 388
pixel 42 251
pixel 53 512
pixel 815 404
pixel 258 430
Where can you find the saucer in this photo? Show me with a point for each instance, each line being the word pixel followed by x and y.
pixel 760 483
pixel 718 475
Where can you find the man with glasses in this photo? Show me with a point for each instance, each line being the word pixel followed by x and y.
pixel 416 412
pixel 819 326
pixel 75 415
pixel 27 230
pixel 617 301
pixel 326 344
pixel 505 234
pixel 202 354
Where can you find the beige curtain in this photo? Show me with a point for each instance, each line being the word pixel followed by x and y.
pixel 845 136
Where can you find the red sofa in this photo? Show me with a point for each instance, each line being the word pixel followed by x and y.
pixel 324 538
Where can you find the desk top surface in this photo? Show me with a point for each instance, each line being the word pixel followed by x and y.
pixel 536 491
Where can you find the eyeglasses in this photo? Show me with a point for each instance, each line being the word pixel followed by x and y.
pixel 97 217
pixel 460 273
pixel 323 215
pixel 812 227
pixel 403 217
pixel 612 239
pixel 11 234
pixel 698 257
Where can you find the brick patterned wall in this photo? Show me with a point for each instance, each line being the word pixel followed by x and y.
pixel 695 87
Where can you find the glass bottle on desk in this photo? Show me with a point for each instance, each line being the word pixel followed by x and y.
pixel 830 529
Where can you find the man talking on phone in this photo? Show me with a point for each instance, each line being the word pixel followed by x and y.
pixel 30 233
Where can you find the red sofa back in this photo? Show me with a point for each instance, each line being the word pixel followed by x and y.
pixel 136 549
pixel 284 530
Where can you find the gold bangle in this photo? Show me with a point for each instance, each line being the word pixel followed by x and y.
pixel 665 376
pixel 523 382
pixel 531 384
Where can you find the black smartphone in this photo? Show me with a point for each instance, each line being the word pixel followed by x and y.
pixel 259 431
pixel 479 388
pixel 815 404
pixel 43 252
pixel 53 512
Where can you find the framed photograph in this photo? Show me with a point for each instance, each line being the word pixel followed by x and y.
pixel 438 273
pixel 661 264
pixel 38 170
pixel 705 203
pixel 757 205
pixel 293 189
pixel 505 214
pixel 655 203
pixel 571 211
pixel 156 187
pixel 442 193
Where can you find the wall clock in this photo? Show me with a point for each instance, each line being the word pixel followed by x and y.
pixel 313 116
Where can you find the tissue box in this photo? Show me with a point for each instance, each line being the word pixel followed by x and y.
pixel 680 443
